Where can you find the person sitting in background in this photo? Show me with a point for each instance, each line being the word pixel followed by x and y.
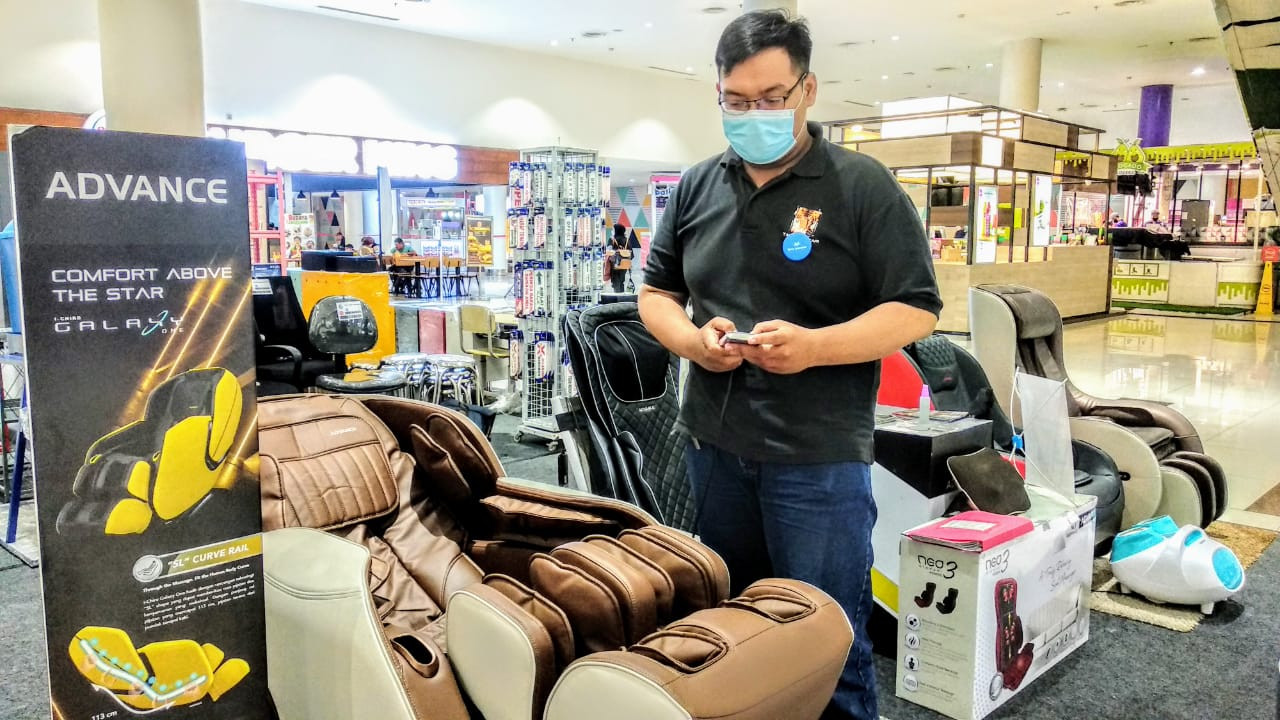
pixel 368 246
pixel 401 248
pixel 1154 225
pixel 1116 222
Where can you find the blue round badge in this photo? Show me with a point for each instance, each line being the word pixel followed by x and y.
pixel 797 246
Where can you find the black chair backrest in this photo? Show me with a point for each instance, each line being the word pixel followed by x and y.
pixel 957 382
pixel 278 315
pixel 342 325
pixel 629 387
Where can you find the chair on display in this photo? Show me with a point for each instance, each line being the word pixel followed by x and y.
pixel 285 358
pixel 556 601
pixel 480 339
pixel 957 383
pixel 628 384
pixel 1019 329
pixel 342 325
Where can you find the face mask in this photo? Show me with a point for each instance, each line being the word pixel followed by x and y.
pixel 761 137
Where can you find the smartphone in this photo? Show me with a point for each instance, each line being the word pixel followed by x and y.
pixel 737 338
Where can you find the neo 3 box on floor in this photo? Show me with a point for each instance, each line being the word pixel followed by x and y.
pixel 985 610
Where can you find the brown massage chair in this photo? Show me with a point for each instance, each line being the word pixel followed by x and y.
pixel 384 513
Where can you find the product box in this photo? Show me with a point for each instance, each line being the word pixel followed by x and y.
pixel 990 602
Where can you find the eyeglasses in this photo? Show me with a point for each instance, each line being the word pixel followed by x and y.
pixel 737 107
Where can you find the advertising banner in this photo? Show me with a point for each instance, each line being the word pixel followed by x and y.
pixel 134 255
pixel 299 233
pixel 988 224
pixel 1042 230
pixel 479 241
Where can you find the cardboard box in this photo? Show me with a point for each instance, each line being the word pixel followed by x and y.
pixel 1016 609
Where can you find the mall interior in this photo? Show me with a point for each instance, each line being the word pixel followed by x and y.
pixel 322 324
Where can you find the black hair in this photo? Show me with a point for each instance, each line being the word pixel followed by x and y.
pixel 619 230
pixel 754 32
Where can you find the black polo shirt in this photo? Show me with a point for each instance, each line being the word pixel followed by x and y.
pixel 720 244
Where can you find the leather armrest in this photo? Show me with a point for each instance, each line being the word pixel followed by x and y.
pixel 292 354
pixel 775 652
pixel 625 514
pixel 1145 413
pixel 511 518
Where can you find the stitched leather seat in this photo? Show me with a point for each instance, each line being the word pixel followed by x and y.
pixel 536 581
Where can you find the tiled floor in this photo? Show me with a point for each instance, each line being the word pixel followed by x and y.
pixel 1224 375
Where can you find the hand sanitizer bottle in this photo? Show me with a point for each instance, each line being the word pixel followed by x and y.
pixel 922 415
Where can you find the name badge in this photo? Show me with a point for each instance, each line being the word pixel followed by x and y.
pixel 796 246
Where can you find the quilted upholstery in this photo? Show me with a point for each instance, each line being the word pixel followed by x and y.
pixel 630 393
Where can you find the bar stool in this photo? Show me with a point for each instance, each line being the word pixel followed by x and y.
pixel 415 367
pixel 459 373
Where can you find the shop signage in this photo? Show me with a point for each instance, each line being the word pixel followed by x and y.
pixel 140 356
pixel 1271 254
pixel 437 203
pixel 342 155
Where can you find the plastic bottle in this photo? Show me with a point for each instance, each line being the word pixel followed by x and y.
pixel 515 363
pixel 922 414
pixel 519 290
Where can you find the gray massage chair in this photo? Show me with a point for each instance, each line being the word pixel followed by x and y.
pixel 1157 450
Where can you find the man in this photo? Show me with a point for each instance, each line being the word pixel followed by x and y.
pixel 400 248
pixel 1156 226
pixel 820 254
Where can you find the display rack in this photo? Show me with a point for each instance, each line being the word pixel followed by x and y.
pixel 558 199
pixel 261 236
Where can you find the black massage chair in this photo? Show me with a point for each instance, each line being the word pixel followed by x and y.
pixel 956 382
pixel 629 386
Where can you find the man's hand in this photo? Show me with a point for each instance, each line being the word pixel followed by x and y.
pixel 713 356
pixel 780 347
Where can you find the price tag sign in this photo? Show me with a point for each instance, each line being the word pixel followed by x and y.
pixel 1271 254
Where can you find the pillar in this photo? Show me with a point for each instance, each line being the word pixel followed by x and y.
pixel 1020 74
pixel 152 66
pixel 387 211
pixel 1155 114
pixel 753 5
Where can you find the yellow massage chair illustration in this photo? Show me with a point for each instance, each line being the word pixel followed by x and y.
pixel 159 675
pixel 162 465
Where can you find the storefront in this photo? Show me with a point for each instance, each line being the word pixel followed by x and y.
pixel 317 191
pixel 1006 197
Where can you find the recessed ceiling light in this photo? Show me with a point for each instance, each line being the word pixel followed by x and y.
pixel 714 10
pixel 1129 103
pixel 555 43
pixel 944 68
pixel 688 69
pixel 990 65
pixel 1202 38
pixel 648 24
pixel 1062 84
pixel 884 77
pixel 850 43
pixel 1129 3
pixel 593 34
pixel 1197 72
pixel 877 102
pixel 1063 12
pixel 631 180
pixel 895 37
pixel 830 82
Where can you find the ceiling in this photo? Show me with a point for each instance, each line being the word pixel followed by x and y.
pixel 1097 53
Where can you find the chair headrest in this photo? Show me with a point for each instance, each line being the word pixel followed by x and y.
pixel 327 462
pixel 936 357
pixel 1034 313
pixel 342 325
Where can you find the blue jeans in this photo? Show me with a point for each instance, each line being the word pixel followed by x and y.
pixel 806 522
